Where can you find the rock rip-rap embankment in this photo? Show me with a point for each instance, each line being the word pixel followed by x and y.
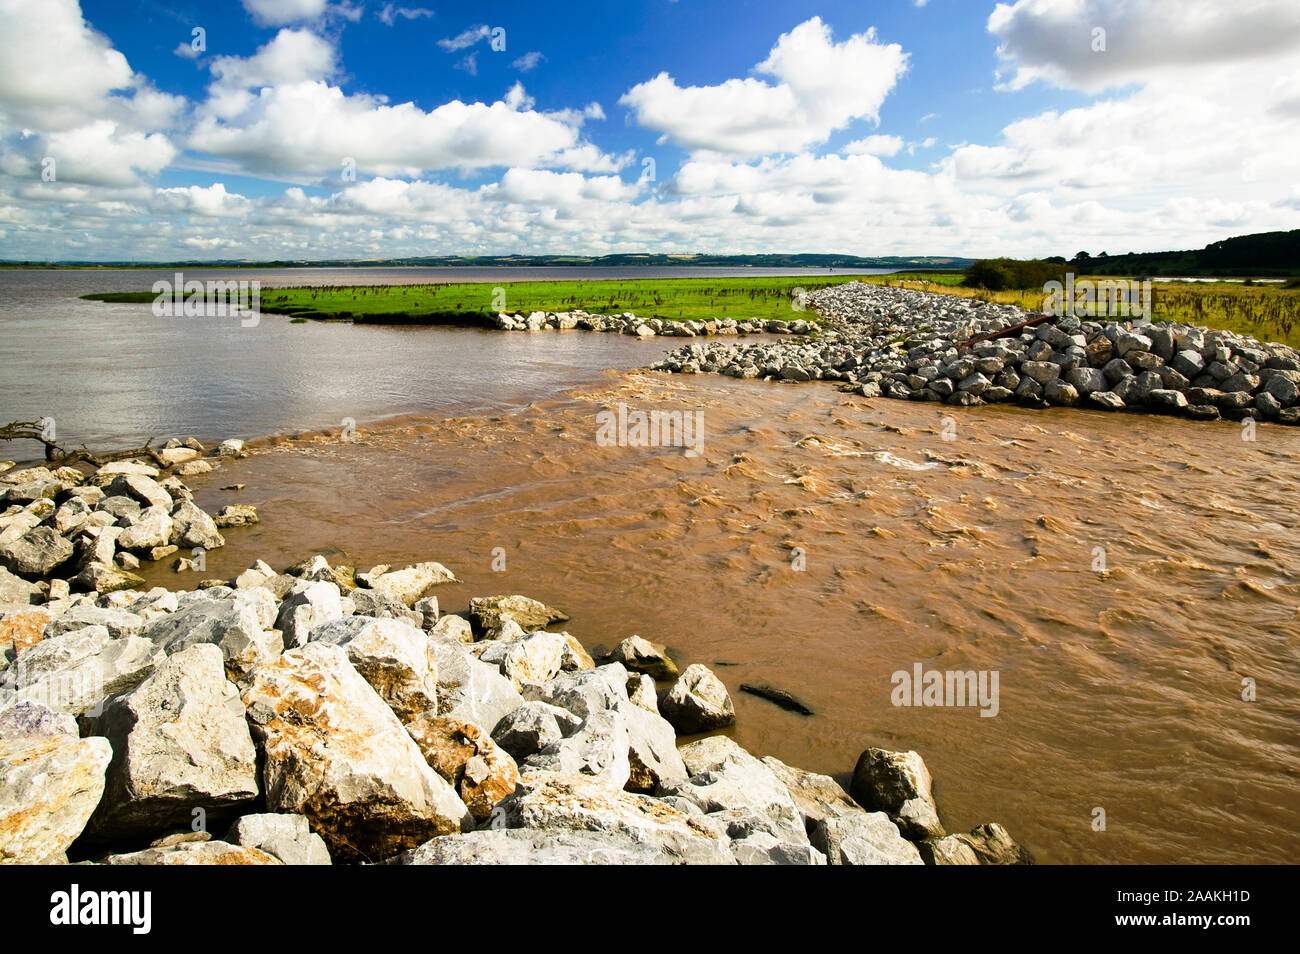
pixel 912 345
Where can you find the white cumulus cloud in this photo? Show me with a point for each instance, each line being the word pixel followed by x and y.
pixel 820 86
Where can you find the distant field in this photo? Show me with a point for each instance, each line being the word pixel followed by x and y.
pixel 1267 312
pixel 674 299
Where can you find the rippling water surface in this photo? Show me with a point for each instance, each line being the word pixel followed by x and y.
pixel 1119 690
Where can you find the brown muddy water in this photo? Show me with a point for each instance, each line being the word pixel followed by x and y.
pixel 1120 690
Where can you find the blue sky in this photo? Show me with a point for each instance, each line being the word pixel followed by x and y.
pixel 343 128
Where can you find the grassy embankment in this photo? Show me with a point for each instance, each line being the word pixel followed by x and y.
pixel 467 303
pixel 1267 312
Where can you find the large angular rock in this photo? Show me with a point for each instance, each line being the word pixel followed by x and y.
pixel 103 578
pixel 553 803
pixel 334 751
pixel 392 655
pixel 29 721
pixel 236 515
pixel 837 826
pixel 152 529
pixel 318 569
pixel 173 456
pixel 489 612
pixel 124 510
pixel 71 516
pixel 14 525
pixel 762 848
pixel 118 622
pixel 309 604
pixel 143 489
pixel 462 753
pixel 14 589
pixel 949 850
pixel 410 583
pixel 522 846
pixel 31 491
pixel 180 742
pixel 470 689
pixel 384 604
pixel 109 472
pixel 598 748
pixel 698 702
pixel 586 691
pixel 453 627
pixel 654 763
pixel 238 624
pixel 641 692
pixel 739 791
pixel 898 784
pixel 532 658
pixel 532 727
pixel 50 783
pixel 36 553
pixel 259 574
pixel 157 602
pixel 191 527
pixel 287 837
pixel 75 672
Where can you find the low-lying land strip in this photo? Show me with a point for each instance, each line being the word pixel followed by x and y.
pixel 674 299
pixel 1268 312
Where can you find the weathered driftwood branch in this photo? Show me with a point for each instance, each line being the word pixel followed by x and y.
pixel 54 454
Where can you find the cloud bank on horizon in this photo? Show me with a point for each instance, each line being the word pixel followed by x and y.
pixel 311 129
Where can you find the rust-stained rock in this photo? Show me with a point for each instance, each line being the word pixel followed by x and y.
pixel 22 629
pixel 49 786
pixel 392 655
pixel 463 754
pixel 195 853
pixel 336 753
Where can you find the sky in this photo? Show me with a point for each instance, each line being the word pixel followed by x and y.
pixel 144 130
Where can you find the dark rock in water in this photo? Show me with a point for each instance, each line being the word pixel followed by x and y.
pixel 778 696
pixel 898 784
pixel 640 655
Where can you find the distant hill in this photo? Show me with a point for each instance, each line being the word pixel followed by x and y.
pixel 1262 255
pixel 656 260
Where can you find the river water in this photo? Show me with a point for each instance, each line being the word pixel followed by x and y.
pixel 114 375
pixel 1129 578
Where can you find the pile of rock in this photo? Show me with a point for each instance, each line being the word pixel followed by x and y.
pixel 319 714
pixel 629 324
pixel 63 531
pixel 904 344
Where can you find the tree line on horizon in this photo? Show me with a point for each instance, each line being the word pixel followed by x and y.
pixel 1261 255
